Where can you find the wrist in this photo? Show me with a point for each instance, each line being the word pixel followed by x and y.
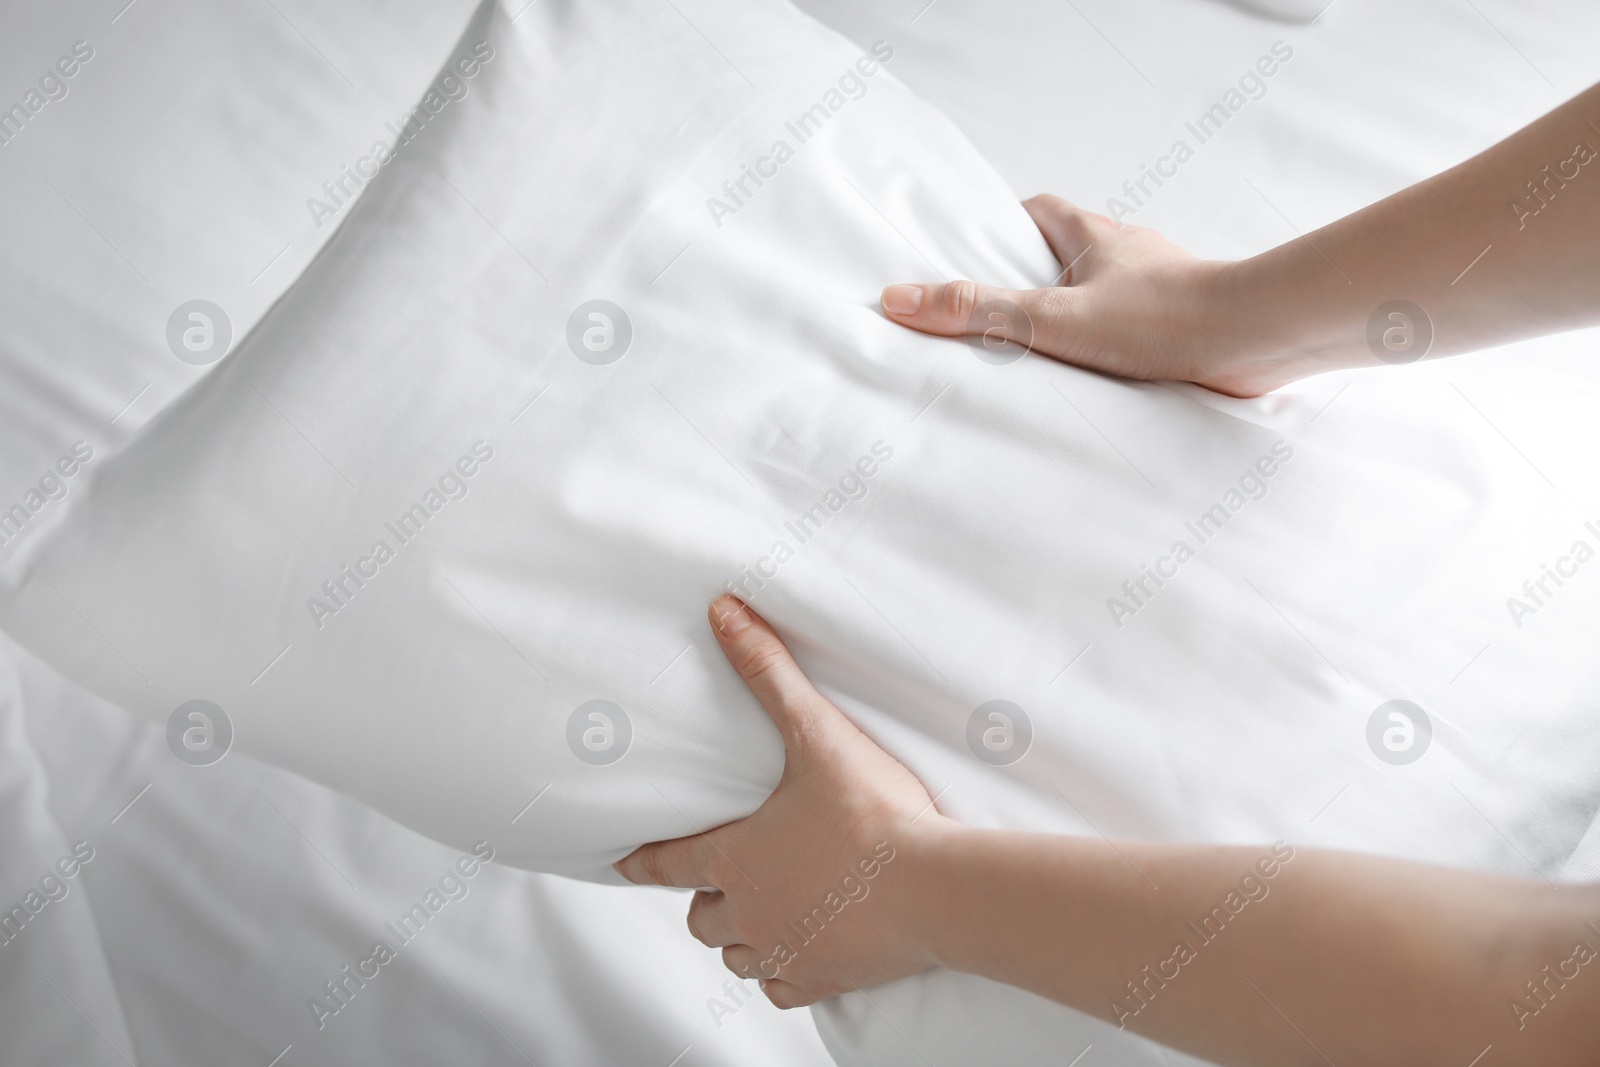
pixel 1272 319
pixel 938 904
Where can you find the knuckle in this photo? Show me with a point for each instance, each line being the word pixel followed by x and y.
pixel 653 865
pixel 1052 203
pixel 695 931
pixel 1052 304
pixel 697 916
pixel 761 657
pixel 798 709
pixel 1083 227
pixel 959 300
pixel 806 732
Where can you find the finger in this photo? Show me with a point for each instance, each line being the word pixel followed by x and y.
pixel 787 995
pixel 758 654
pixel 1069 231
pixel 747 962
pixel 685 862
pixel 948 309
pixel 1036 319
pixel 711 920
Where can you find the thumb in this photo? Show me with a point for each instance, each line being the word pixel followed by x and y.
pixel 754 649
pixel 962 308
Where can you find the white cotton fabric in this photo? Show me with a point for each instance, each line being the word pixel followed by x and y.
pixel 175 163
pixel 220 899
pixel 1008 504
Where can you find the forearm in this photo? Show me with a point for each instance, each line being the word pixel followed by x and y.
pixel 1504 246
pixel 1359 959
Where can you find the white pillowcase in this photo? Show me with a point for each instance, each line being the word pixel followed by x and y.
pixel 173 164
pixel 441 531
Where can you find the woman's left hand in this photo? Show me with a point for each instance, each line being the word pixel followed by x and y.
pixel 812 894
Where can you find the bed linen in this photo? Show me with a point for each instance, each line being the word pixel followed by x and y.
pixel 173 165
pixel 189 143
pixel 220 899
pixel 1333 535
pixel 1359 113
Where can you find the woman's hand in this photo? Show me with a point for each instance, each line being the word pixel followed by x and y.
pixel 1128 303
pixel 1479 255
pixel 810 893
pixel 847 877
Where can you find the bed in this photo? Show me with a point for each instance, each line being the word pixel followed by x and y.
pixel 223 898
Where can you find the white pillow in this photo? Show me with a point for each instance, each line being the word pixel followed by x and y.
pixel 165 154
pixel 442 529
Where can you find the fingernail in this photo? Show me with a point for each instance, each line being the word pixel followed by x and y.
pixel 732 618
pixel 902 299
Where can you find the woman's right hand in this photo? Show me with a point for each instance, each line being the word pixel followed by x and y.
pixel 1128 303
pixel 1444 258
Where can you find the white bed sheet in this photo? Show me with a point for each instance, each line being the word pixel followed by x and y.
pixel 219 900
pixel 1378 96
pixel 177 165
pixel 1217 218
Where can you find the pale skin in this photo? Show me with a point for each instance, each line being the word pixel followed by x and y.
pixel 1136 306
pixel 1375 961
pixel 1329 958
